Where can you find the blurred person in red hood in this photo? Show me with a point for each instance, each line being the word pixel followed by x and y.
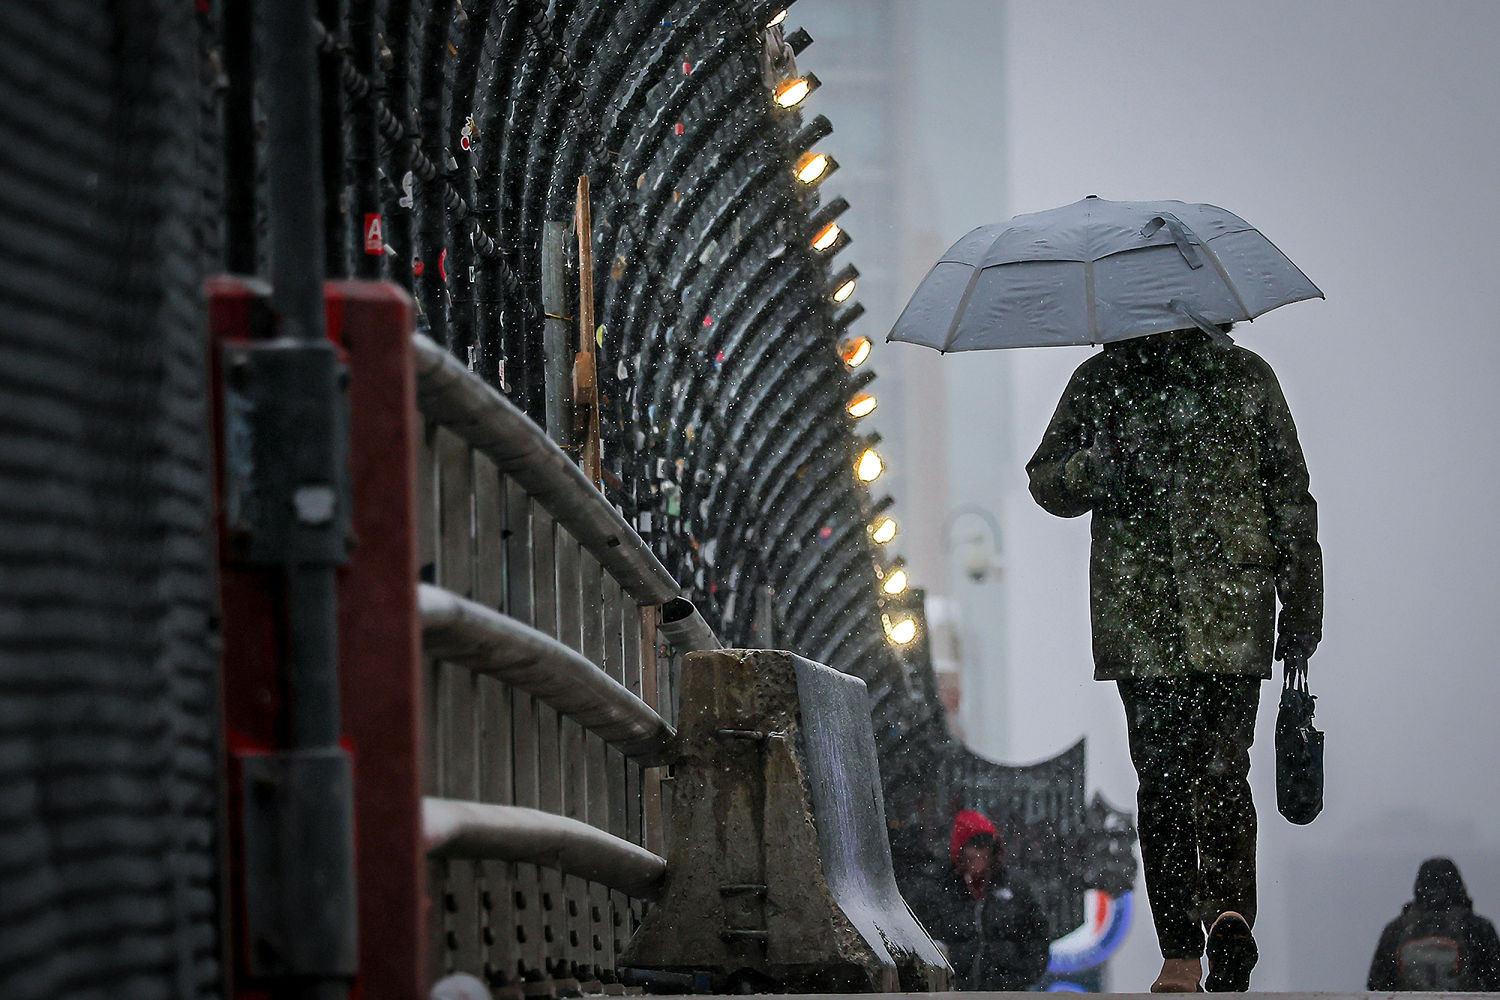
pixel 987 920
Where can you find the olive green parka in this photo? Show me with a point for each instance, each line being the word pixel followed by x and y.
pixel 1202 518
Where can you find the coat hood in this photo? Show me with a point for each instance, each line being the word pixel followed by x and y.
pixel 1439 886
pixel 968 824
pixel 1187 351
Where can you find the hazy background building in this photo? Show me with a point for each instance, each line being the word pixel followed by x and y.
pixel 1362 138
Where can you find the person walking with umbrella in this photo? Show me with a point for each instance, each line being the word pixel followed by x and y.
pixel 1182 446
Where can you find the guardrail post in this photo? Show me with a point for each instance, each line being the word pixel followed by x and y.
pixel 641 651
pixel 378 646
pixel 456 698
pixel 526 929
pixel 497 927
pixel 572 776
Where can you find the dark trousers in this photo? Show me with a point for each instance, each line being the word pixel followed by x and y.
pixel 1190 742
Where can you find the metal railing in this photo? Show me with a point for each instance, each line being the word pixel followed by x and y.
pixel 546 690
pixel 460 132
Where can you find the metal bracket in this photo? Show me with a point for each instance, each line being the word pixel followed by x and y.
pixel 299 872
pixel 286 442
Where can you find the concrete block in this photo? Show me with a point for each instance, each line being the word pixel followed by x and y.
pixel 778 872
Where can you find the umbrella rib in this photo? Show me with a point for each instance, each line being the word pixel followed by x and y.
pixel 958 314
pixel 1088 295
pixel 1224 275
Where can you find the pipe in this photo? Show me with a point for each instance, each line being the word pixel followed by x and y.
pixel 454 829
pixel 683 626
pixel 294 168
pixel 451 395
pixel 311 824
pixel 239 148
pixel 462 631
pixel 295 215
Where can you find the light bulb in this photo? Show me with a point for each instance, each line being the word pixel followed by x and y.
pixel 854 351
pixel 901 631
pixel 827 237
pixel 895 582
pixel 862 405
pixel 870 466
pixel 792 92
pixel 811 166
pixel 884 530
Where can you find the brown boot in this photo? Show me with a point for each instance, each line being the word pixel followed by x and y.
pixel 1178 975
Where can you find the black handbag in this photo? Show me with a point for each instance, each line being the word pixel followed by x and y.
pixel 1299 748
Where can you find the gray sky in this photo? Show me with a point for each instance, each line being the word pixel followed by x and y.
pixel 1362 139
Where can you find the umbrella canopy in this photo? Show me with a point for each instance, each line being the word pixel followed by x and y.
pixel 1098 271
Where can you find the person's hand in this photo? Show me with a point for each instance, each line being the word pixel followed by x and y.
pixel 1295 644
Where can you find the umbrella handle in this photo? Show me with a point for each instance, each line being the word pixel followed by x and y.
pixel 1179 234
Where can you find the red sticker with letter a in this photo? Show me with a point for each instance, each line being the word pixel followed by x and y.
pixel 374 234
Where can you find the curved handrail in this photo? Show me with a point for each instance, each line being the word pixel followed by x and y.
pixel 448 393
pixel 459 630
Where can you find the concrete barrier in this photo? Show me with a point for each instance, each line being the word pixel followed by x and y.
pixel 779 873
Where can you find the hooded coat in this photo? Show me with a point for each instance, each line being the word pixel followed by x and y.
pixel 1440 921
pixel 1208 519
pixel 999 941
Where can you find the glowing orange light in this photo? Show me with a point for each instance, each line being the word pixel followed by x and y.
pixel 827 237
pixel 854 351
pixel 811 166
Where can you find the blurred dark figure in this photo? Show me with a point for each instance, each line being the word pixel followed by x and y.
pixel 1182 446
pixel 1439 942
pixel 989 922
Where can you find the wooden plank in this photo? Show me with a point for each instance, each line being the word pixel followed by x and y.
pixel 658 695
pixel 427 529
pixel 524 937
pixel 624 801
pixel 496 776
pixel 599 637
pixel 574 785
pixel 457 695
pixel 585 366
pixel 427 521
pixel 651 804
pixel 546 594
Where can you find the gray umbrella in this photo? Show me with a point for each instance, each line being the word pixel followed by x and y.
pixel 1097 271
